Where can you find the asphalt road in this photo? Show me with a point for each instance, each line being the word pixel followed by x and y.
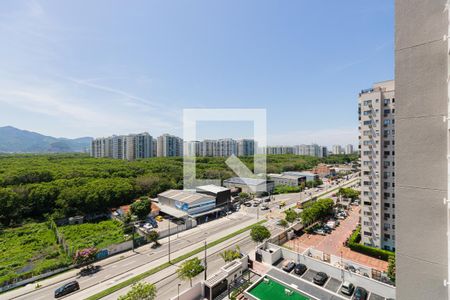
pixel 143 255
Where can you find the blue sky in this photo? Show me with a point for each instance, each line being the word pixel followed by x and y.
pixel 97 68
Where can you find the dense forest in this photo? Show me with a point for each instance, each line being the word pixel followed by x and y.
pixel 35 187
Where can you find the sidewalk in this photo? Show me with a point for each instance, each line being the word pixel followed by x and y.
pixel 83 294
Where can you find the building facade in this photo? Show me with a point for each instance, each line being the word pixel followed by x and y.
pixel 129 147
pixel 422 142
pixel 349 149
pixel 377 142
pixel 310 150
pixel 169 145
pixel 246 147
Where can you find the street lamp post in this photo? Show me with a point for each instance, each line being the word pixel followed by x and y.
pixel 169 240
pixel 205 262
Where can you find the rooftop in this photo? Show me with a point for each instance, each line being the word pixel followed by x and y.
pixel 185 196
pixel 247 181
pixel 212 188
pixel 303 173
pixel 287 176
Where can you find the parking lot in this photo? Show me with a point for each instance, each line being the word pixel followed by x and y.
pixel 333 243
pixel 332 285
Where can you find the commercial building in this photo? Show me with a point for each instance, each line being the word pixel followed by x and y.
pixel 308 175
pixel 250 185
pixel 377 142
pixel 129 147
pixel 323 170
pixel 422 149
pixel 169 145
pixel 289 180
pixel 181 203
pixel 222 194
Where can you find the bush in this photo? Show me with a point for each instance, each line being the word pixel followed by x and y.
pixel 353 243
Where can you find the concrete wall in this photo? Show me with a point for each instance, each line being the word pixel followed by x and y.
pixel 194 293
pixel 421 148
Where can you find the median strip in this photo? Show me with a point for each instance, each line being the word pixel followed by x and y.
pixel 159 268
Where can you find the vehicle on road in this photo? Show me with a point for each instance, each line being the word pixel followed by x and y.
pixel 347 288
pixel 159 218
pixel 288 266
pixel 67 289
pixel 360 294
pixel 282 204
pixel 264 207
pixel 89 270
pixel 267 199
pixel 320 278
pixel 248 204
pixel 148 226
pixel 300 269
pixel 255 204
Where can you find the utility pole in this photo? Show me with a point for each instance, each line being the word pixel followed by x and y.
pixel 169 240
pixel 132 236
pixel 205 262
pixel 179 291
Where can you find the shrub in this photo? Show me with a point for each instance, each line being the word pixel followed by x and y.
pixel 353 243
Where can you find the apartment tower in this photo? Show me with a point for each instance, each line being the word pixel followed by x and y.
pixel 376 109
pixel 422 178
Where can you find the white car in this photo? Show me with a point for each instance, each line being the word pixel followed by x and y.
pixel 148 226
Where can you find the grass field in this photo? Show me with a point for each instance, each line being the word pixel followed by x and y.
pixel 27 251
pixel 274 290
pixel 99 235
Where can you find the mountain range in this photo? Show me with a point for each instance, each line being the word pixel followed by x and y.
pixel 14 140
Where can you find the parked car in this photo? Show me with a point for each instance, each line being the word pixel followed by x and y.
pixel 148 226
pixel 264 207
pixel 320 231
pixel 300 269
pixel 331 224
pixel 320 278
pixel 159 218
pixel 255 204
pixel 67 289
pixel 326 229
pixel 247 204
pixel 347 288
pixel 288 266
pixel 267 199
pixel 360 294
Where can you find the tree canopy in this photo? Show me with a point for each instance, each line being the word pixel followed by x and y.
pixel 259 233
pixel 189 269
pixel 140 208
pixel 231 254
pixel 140 291
pixel 34 187
pixel 317 210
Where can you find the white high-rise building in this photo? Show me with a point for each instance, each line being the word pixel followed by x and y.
pixel 226 147
pixel 192 148
pixel 336 149
pixel 310 150
pixel 130 147
pixel 169 145
pixel 349 149
pixel 377 142
pixel 208 148
pixel 246 147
